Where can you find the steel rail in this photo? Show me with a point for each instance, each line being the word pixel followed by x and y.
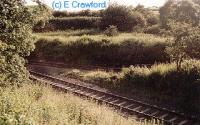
pixel 138 107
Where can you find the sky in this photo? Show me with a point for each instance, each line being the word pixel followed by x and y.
pixel 146 3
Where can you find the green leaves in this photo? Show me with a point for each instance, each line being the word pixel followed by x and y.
pixel 16 41
pixel 124 18
pixel 183 11
pixel 186 45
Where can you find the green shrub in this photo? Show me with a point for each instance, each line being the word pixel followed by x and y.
pixel 111 31
pixel 16 41
pixel 103 79
pixel 91 50
pixel 57 53
pixel 185 45
pixel 88 13
pixel 165 80
pixel 139 19
pixel 71 23
pixel 134 77
pixel 57 14
pixel 162 81
pixel 121 16
pixel 153 20
pixel 155 29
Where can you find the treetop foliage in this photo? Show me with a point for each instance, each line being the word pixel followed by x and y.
pixel 186 44
pixel 180 11
pixel 125 18
pixel 16 41
pixel 182 18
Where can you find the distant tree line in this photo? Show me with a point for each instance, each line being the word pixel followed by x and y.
pixel 123 17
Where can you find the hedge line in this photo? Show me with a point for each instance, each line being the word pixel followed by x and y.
pixel 88 13
pixel 56 24
pixel 103 51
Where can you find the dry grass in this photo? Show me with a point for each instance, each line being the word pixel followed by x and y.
pixel 73 35
pixel 41 105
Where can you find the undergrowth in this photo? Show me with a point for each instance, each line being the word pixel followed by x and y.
pixel 41 105
pixel 181 87
pixel 125 49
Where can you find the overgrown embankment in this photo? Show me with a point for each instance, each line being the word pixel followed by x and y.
pixel 125 49
pixel 41 105
pixel 162 81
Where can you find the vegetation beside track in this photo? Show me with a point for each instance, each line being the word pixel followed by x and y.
pixel 39 104
pixel 176 38
pixel 162 80
pixel 125 49
pixel 22 104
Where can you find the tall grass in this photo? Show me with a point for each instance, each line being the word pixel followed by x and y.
pixel 98 36
pixel 41 105
pixel 68 33
pixel 163 80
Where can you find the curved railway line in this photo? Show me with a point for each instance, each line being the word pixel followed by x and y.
pixel 130 106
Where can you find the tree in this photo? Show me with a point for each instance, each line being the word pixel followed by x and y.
pixel 41 14
pixel 16 41
pixel 187 12
pixel 185 45
pixel 179 11
pixel 182 18
pixel 196 1
pixel 165 13
pixel 123 17
pixel 146 12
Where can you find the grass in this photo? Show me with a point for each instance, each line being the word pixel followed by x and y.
pixel 84 48
pixel 41 105
pixel 67 33
pixel 161 80
pixel 73 35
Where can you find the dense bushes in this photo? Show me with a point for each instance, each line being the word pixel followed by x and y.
pixel 108 51
pixel 71 23
pixel 163 81
pixel 59 14
pixel 182 86
pixel 111 31
pixel 155 29
pixel 87 13
pixel 153 20
pixel 123 17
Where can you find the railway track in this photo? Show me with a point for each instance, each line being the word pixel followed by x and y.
pixel 130 106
